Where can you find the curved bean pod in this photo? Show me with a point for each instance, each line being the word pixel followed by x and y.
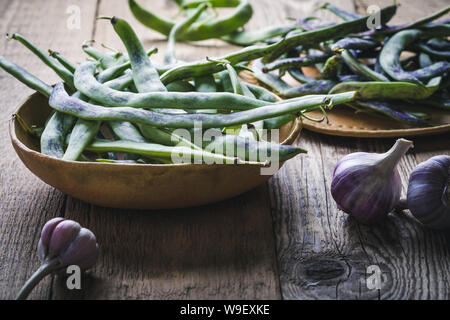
pixel 360 68
pixel 390 58
pixel 179 29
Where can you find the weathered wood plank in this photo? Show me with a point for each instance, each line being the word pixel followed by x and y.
pixel 324 254
pixel 26 202
pixel 220 251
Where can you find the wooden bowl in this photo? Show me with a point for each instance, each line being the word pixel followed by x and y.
pixel 134 186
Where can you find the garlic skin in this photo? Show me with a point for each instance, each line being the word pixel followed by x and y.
pixel 429 192
pixel 368 185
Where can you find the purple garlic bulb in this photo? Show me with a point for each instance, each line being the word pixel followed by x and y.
pixel 368 185
pixel 63 243
pixel 429 192
pixel 69 243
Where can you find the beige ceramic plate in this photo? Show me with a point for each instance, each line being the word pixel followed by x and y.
pixel 134 186
pixel 345 122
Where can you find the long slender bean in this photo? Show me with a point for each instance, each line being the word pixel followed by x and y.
pixel 355 43
pixel 61 101
pixel 164 152
pixel 388 90
pixel 206 67
pixel 250 37
pixel 62 72
pixel 296 62
pixel 323 34
pixel 344 15
pixel 25 77
pixel 64 62
pixel 392 111
pixel 88 85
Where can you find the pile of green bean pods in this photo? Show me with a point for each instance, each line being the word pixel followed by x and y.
pixel 118 107
pixel 123 108
pixel 391 67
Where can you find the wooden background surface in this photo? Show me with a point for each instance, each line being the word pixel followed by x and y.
pixel 285 239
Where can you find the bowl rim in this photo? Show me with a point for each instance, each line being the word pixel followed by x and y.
pixel 293 134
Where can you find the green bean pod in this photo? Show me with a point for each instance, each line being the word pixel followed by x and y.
pixel 331 67
pixel 360 68
pixel 62 72
pixel 344 15
pixel 83 132
pixel 388 90
pixel 212 29
pixel 89 86
pixel 164 152
pixel 390 58
pixel 296 62
pixel 25 77
pixel 145 76
pixel 179 29
pixel 61 101
pixel 207 67
pixel 319 35
pixel 250 37
pixel 64 62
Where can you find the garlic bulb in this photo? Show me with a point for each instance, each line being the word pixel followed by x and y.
pixel 368 185
pixel 63 242
pixel 429 192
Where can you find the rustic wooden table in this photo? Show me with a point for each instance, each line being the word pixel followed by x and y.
pixel 285 239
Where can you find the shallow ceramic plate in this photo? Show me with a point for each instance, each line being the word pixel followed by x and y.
pixel 134 186
pixel 345 122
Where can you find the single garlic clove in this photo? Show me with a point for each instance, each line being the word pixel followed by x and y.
pixel 46 234
pixel 63 234
pixel 82 251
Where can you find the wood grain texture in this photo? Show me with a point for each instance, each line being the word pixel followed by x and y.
pixel 26 202
pixel 324 254
pixel 225 250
